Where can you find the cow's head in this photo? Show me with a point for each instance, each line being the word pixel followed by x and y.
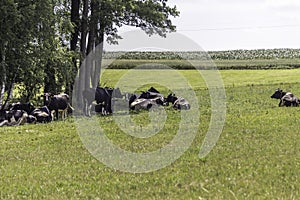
pixel 171 98
pixel 47 98
pixel 277 94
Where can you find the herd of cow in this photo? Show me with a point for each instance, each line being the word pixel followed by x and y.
pixel 102 99
pixel 21 113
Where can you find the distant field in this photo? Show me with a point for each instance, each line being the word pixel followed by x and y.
pixel 229 77
pixel 238 59
pixel 256 157
pixel 208 64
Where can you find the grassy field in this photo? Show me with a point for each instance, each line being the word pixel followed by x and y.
pixel 257 155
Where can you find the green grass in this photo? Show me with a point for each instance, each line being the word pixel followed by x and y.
pixel 256 157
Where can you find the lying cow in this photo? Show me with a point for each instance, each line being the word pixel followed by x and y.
pixel 27 107
pixel 13 117
pixel 146 100
pixel 103 97
pixel 179 103
pixel 42 115
pixel 286 98
pixel 144 104
pixel 59 102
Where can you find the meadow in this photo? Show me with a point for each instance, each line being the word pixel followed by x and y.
pixel 256 156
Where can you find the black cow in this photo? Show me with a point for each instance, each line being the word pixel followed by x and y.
pixel 178 102
pixel 103 97
pixel 286 98
pixel 13 117
pixel 59 102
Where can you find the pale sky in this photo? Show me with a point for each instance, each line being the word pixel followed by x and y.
pixel 239 24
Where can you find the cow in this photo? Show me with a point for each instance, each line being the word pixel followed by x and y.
pixel 153 93
pixel 179 103
pixel 12 117
pixel 286 98
pixel 146 99
pixel 59 102
pixel 42 115
pixel 27 107
pixel 103 97
pixel 144 104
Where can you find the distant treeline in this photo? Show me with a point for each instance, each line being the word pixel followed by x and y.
pixel 200 55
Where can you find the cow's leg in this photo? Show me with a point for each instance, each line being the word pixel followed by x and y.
pixel 22 120
pixel 89 110
pixel 85 107
pixel 109 109
pixel 56 114
pixel 104 110
pixel 63 114
pixel 4 123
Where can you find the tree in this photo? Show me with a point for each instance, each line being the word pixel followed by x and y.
pixel 33 53
pixel 102 18
pixel 43 42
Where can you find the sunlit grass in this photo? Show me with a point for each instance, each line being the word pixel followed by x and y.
pixel 256 157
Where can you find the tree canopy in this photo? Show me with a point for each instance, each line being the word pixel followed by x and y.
pixel 43 42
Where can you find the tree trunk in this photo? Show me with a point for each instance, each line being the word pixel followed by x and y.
pixel 98 60
pixel 83 39
pixel 2 95
pixel 75 6
pixel 75 19
pixel 49 81
pixel 9 94
pixel 91 45
pixel 3 74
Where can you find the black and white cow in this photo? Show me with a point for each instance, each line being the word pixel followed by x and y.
pixel 103 98
pixel 12 117
pixel 59 102
pixel 179 103
pixel 27 107
pixel 146 100
pixel 286 98
pixel 144 104
pixel 42 115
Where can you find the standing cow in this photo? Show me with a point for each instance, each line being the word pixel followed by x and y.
pixel 104 98
pixel 59 102
pixel 286 98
